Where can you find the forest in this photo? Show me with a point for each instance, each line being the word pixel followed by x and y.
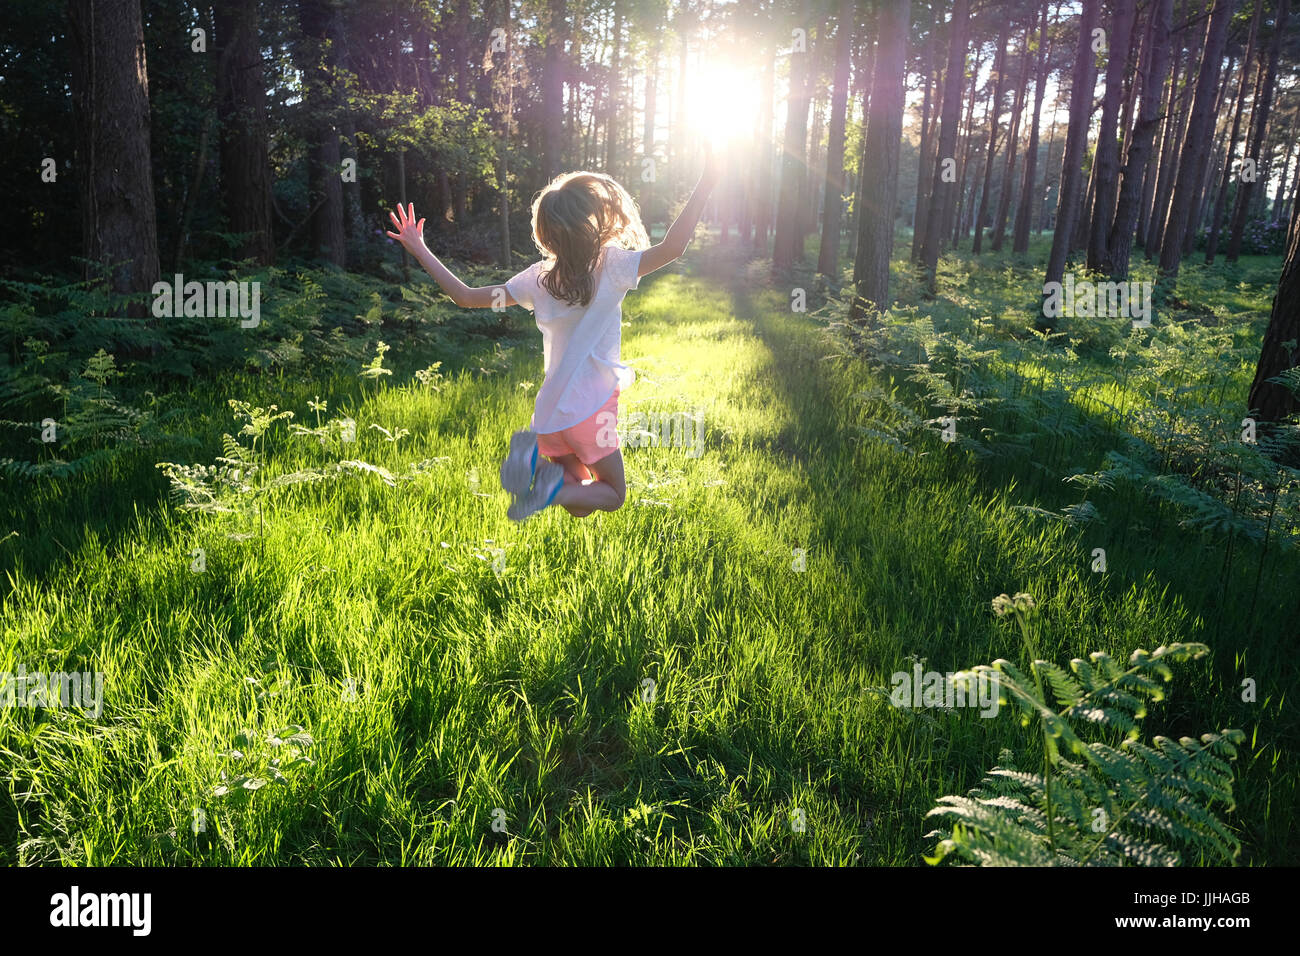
pixel 977 388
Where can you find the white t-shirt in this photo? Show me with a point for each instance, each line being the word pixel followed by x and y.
pixel 597 369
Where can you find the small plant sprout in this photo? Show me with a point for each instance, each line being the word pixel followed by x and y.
pixel 430 377
pixel 375 367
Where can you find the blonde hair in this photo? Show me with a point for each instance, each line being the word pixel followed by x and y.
pixel 574 217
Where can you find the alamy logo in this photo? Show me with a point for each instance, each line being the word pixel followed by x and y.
pixel 208 300
pixel 655 429
pixel 103 909
pixel 922 688
pixel 38 689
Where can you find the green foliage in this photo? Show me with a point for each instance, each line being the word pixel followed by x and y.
pixel 1095 803
pixel 255 762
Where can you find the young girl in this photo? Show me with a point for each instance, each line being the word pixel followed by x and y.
pixel 596 250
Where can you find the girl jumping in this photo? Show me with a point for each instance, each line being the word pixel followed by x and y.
pixel 595 251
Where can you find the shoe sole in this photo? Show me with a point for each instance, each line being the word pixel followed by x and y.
pixel 520 465
pixel 535 500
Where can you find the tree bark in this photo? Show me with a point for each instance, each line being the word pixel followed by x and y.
pixel 1155 64
pixel 1028 195
pixel 1259 120
pixel 1106 161
pixel 1013 146
pixel 241 99
pixel 110 99
pixel 1067 207
pixel 923 154
pixel 1199 130
pixel 942 192
pixel 553 91
pixel 1221 200
pixel 1267 400
pixel 319 24
pixel 880 151
pixel 787 244
pixel 828 258
pixel 990 156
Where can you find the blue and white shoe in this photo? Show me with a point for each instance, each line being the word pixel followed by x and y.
pixel 520 466
pixel 549 481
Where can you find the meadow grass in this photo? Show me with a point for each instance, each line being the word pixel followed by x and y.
pixel 699 678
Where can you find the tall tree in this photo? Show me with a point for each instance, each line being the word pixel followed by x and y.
pixel 1269 400
pixel 1106 161
pixel 1028 192
pixel 1076 135
pixel 553 91
pixel 241 103
pixel 318 20
pixel 1221 200
pixel 924 161
pixel 1013 142
pixel 1199 133
pixel 110 96
pixel 1259 122
pixel 1155 66
pixel 787 243
pixel 828 258
pixel 880 149
pixel 943 184
pixel 995 114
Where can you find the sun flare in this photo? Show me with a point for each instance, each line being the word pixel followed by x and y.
pixel 724 104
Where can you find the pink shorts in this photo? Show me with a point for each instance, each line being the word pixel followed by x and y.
pixel 592 439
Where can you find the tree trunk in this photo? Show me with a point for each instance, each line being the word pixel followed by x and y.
pixel 923 154
pixel 553 91
pixel 880 150
pixel 110 100
pixel 1205 179
pixel 1259 120
pixel 1028 193
pixel 995 115
pixel 1199 131
pixel 828 258
pixel 787 244
pixel 1106 161
pixel 1155 64
pixel 1067 206
pixel 319 24
pixel 241 99
pixel 1170 145
pixel 1286 176
pixel 763 201
pixel 648 131
pixel 1221 200
pixel 1267 400
pixel 954 223
pixel 1013 146
pixel 942 189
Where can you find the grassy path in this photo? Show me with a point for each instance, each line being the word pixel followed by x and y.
pixel 693 679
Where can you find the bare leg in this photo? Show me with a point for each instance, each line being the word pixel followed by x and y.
pixel 575 473
pixel 606 492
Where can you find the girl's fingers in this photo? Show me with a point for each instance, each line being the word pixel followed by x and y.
pixel 420 226
pixel 410 211
pixel 396 222
pixel 394 235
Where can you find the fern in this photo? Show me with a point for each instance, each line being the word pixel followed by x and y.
pixel 1095 803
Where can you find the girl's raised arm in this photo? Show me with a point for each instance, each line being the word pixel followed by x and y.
pixel 683 227
pixel 411 235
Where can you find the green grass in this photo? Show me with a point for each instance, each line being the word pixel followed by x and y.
pixel 436 688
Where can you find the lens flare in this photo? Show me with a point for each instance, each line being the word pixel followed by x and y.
pixel 724 105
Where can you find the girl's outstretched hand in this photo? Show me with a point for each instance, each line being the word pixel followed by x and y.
pixel 409 232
